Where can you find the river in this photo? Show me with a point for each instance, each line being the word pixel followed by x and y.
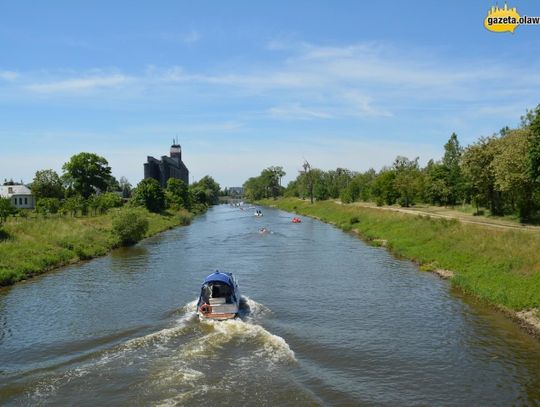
pixel 331 321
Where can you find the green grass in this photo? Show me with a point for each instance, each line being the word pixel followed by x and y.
pixel 30 246
pixel 497 265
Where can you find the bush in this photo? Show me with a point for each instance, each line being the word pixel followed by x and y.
pixel 6 209
pixel 130 225
pixel 109 200
pixel 47 206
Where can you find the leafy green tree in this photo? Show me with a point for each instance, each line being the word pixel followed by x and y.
pixel 108 200
pixel 308 180
pixel 130 225
pixel 337 180
pixel 47 184
pixel 533 122
pixel 477 167
pixel 6 209
pixel 383 187
pixel 254 189
pixel 292 189
pixel 512 170
pixel 210 187
pixel 452 164
pixel 436 189
pixel 87 172
pixel 320 189
pixel 407 180
pixel 46 206
pixel 149 194
pixel 177 193
pixel 266 185
pixel 74 204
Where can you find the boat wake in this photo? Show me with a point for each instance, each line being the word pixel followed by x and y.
pixel 186 358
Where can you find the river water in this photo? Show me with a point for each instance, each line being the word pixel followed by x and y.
pixel 329 321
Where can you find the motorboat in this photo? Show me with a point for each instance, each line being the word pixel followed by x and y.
pixel 296 220
pixel 258 212
pixel 220 297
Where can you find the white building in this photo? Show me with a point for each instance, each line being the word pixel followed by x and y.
pixel 20 196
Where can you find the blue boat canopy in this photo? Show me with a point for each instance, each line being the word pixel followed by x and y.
pixel 220 277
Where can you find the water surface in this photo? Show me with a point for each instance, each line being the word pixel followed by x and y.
pixel 329 321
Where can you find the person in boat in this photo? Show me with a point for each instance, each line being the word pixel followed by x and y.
pixel 263 230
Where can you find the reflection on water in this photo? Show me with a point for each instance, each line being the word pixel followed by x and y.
pixel 327 321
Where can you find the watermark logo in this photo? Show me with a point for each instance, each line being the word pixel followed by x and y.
pixel 506 19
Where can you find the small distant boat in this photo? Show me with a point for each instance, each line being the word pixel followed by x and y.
pixel 258 212
pixel 220 297
pixel 296 220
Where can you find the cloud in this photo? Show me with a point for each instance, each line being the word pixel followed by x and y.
pixel 8 75
pixel 296 111
pixel 79 84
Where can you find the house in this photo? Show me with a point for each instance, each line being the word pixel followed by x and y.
pixel 20 196
pixel 167 167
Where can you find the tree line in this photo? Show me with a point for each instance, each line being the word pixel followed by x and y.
pixel 86 187
pixel 500 173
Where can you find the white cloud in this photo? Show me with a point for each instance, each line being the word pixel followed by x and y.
pixel 79 84
pixel 297 111
pixel 8 75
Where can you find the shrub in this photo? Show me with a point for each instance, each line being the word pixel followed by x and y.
pixel 130 225
pixel 47 206
pixel 109 200
pixel 6 209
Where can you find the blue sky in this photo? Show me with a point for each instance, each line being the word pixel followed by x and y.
pixel 245 85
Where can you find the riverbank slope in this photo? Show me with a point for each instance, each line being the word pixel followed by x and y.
pixel 31 246
pixel 500 266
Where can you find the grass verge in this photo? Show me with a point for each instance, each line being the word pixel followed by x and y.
pixel 31 246
pixel 499 266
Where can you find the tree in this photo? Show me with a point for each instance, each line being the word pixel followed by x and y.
pixel 533 122
pixel 150 195
pixel 383 187
pixel 308 180
pixel 125 187
pixel 266 185
pixel 74 204
pixel 512 171
pixel 479 175
pixel 87 172
pixel 407 180
pixel 6 209
pixel 177 193
pixel 210 188
pixel 436 189
pixel 47 206
pixel 452 164
pixel 254 189
pixel 47 184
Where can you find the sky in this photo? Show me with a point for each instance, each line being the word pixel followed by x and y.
pixel 245 85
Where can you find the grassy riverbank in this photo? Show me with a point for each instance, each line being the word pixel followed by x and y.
pixel 497 265
pixel 30 246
